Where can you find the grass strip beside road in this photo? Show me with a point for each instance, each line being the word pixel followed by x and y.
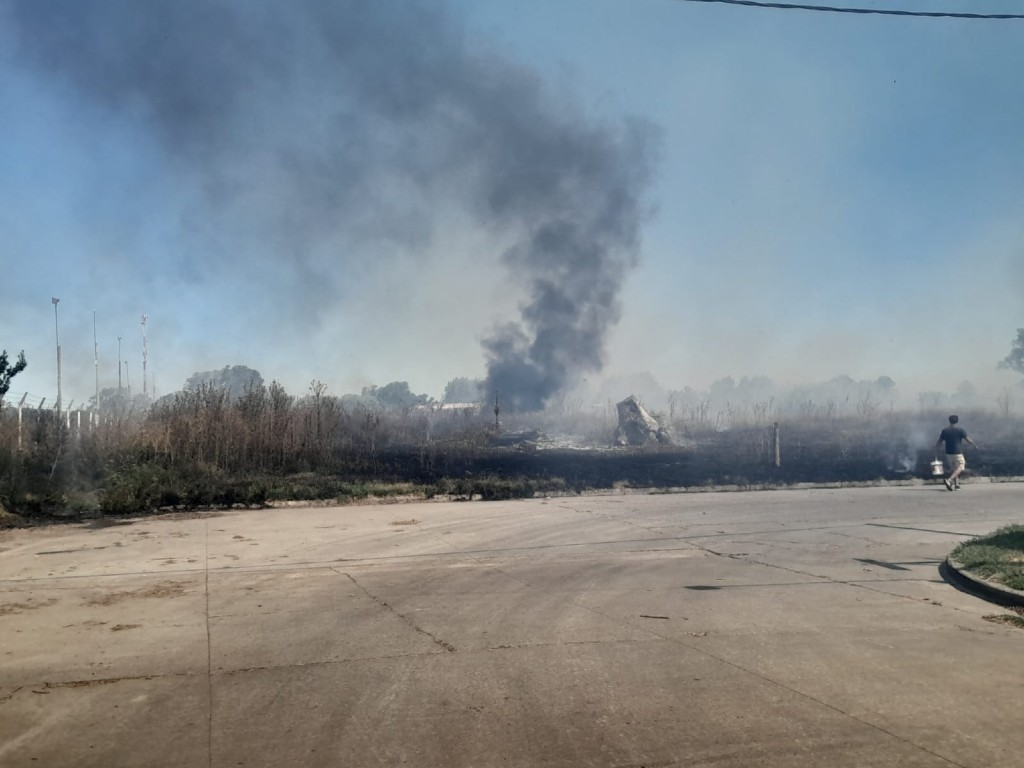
pixel 997 557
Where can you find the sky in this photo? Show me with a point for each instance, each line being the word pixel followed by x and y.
pixel 539 192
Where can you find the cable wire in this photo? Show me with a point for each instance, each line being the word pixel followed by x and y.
pixel 866 11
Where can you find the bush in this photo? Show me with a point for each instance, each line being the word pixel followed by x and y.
pixel 138 488
pixel 495 488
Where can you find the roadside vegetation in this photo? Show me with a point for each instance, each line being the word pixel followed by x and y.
pixel 229 439
pixel 997 557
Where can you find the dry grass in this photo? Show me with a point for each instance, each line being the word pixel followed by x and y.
pixel 1015 619
pixel 9 608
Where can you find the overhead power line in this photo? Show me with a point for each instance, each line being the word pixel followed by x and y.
pixel 866 11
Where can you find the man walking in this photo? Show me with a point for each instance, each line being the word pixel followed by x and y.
pixel 953 436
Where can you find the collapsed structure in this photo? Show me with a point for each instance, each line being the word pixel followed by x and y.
pixel 637 426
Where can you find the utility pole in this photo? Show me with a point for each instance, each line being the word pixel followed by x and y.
pixel 128 380
pixel 119 366
pixel 96 360
pixel 144 354
pixel 20 404
pixel 56 330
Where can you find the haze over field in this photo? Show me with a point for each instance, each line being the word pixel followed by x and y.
pixel 545 193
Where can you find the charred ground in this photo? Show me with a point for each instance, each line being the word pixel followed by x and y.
pixel 734 460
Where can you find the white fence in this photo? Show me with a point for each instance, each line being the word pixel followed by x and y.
pixel 29 412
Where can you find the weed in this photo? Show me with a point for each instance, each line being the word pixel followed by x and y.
pixel 1006 618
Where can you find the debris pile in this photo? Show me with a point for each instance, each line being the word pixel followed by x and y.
pixel 637 426
pixel 530 439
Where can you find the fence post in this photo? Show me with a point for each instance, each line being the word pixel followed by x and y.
pixel 778 454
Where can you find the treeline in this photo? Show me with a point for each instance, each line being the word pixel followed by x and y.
pixel 726 399
pixel 209 446
pixel 266 430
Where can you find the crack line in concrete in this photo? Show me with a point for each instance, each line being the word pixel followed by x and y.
pixel 394 656
pixel 362 562
pixel 107 680
pixel 330 662
pixel 184 675
pixel 48 684
pixel 384 604
pixel 562 644
pixel 9 696
pixel 925 530
pixel 857 538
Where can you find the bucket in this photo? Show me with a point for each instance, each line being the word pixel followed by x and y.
pixel 938 470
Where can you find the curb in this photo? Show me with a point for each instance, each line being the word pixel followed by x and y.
pixel 957 575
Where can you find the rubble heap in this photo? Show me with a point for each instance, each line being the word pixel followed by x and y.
pixel 637 426
pixel 531 439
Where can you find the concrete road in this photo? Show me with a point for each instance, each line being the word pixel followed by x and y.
pixel 776 628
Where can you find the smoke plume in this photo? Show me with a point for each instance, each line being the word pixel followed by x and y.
pixel 304 131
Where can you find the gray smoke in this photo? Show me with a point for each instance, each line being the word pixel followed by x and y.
pixel 310 127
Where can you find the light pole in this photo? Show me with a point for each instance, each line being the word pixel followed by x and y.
pixel 144 354
pixel 96 360
pixel 56 330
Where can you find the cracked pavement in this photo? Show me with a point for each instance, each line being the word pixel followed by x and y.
pixel 777 628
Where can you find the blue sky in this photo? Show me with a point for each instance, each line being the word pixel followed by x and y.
pixel 829 194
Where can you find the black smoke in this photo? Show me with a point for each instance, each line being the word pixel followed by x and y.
pixel 312 128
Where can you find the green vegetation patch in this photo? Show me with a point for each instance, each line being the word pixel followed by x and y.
pixel 140 486
pixel 997 557
pixel 493 488
pixel 10 519
pixel 315 487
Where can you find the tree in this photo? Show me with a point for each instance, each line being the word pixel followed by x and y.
pixel 236 379
pixel 966 394
pixel 395 395
pixel 463 390
pixel 722 391
pixel 8 371
pixel 1015 360
pixel 885 385
pixel 115 399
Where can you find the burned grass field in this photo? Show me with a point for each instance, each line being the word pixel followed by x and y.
pixel 739 459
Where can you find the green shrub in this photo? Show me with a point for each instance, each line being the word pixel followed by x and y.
pixel 137 488
pixel 492 488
